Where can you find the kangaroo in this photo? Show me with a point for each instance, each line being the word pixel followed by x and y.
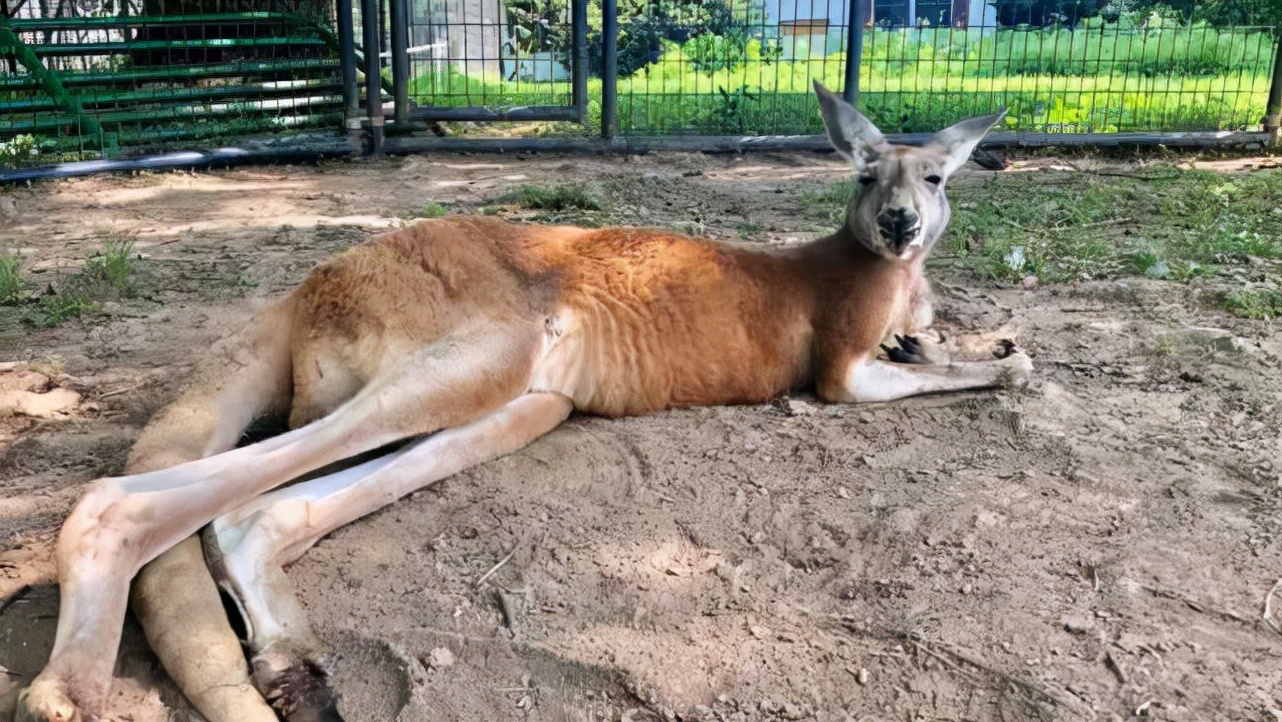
pixel 479 336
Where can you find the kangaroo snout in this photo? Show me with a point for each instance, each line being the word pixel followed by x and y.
pixel 899 226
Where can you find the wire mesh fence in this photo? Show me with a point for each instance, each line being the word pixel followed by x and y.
pixel 490 53
pixel 89 79
pixel 1103 67
pixel 83 78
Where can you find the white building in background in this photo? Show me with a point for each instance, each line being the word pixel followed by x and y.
pixel 897 13
pixel 816 28
pixel 470 34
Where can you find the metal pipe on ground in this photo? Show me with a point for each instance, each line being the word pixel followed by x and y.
pixel 187 160
pixel 227 157
pixel 815 143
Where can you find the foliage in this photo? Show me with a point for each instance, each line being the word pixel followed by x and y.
pixel 1222 13
pixel 113 266
pixel 1091 49
pixel 1259 303
pixel 16 149
pixel 11 285
pixel 645 25
pixel 433 210
pixel 568 196
pixel 106 276
pixel 1170 224
pixel 1038 12
pixel 1102 77
pixel 60 307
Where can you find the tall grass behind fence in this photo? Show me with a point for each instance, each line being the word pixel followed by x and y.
pixel 746 68
pixel 1096 77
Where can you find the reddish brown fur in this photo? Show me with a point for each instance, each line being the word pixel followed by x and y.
pixel 665 320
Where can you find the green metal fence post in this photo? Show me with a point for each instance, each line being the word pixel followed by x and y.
pixel 347 58
pixel 373 75
pixel 609 66
pixel 400 21
pixel 854 49
pixel 1273 109
pixel 579 59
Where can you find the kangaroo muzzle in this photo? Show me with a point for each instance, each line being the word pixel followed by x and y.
pixel 899 227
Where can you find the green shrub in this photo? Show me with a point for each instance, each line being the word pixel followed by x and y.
pixel 11 285
pixel 433 210
pixel 113 266
pixel 556 198
pixel 1263 304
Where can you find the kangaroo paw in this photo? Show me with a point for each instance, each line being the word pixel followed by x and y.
pixel 298 688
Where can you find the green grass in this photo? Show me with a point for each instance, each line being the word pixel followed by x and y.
pixel 105 276
pixel 1158 222
pixel 113 266
pixel 1099 78
pixel 61 307
pixel 1263 304
pixel 11 284
pixel 433 210
pixel 1164 223
pixel 563 197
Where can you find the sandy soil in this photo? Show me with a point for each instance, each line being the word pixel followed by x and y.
pixel 1100 546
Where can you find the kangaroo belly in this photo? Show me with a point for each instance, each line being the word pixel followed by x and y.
pixel 620 362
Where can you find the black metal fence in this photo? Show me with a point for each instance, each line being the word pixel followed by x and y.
pixel 91 78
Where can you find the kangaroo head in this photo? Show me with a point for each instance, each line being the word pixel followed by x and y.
pixel 898 209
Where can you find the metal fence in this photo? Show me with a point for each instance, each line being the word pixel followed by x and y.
pixel 89 78
pixel 95 78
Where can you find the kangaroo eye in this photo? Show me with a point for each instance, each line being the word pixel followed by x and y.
pixel 934 180
pixel 867 180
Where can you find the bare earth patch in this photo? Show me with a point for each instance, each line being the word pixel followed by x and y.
pixel 1100 546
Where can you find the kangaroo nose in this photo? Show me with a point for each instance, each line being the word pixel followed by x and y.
pixel 898 225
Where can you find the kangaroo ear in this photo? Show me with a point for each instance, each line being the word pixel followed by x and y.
pixel 853 136
pixel 955 143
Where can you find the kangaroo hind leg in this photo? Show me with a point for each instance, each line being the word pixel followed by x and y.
pixel 125 522
pixel 174 596
pixel 248 547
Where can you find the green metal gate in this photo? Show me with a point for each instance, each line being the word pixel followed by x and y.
pixel 151 73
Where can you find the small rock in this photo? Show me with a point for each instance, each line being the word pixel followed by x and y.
pixel 862 677
pixel 1029 283
pixel 440 658
pixel 759 631
pixel 1077 624
pixel 801 408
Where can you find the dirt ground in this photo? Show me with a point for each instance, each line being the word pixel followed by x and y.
pixel 1103 545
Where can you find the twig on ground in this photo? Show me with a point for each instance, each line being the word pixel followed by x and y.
pixel 118 392
pixel 1114 665
pixel 1268 607
pixel 1200 607
pixel 496 567
pixel 940 651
